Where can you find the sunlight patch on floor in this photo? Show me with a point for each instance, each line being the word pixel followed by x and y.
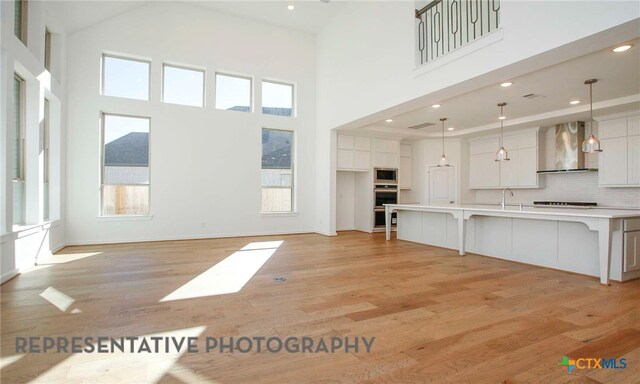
pixel 229 275
pixel 187 376
pixel 118 367
pixel 8 360
pixel 61 258
pixel 57 298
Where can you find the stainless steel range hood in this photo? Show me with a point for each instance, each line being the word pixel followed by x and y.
pixel 568 152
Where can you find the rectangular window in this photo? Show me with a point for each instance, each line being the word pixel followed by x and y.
pixel 277 98
pixel 18 178
pixel 127 78
pixel 277 170
pixel 125 165
pixel 233 93
pixel 20 20
pixel 182 86
pixel 47 50
pixel 46 134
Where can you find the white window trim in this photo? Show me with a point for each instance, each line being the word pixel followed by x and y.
pixel 101 176
pixel 294 104
pixel 188 68
pixel 239 76
pixel 124 57
pixel 294 176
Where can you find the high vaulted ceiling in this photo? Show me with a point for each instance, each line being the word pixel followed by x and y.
pixel 308 16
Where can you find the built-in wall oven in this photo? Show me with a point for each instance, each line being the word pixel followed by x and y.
pixel 385 191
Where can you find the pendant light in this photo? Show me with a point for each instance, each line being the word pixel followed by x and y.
pixel 591 144
pixel 444 162
pixel 501 153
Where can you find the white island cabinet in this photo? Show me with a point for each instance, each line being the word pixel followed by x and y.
pixel 595 242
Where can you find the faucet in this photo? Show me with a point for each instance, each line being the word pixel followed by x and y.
pixel 503 201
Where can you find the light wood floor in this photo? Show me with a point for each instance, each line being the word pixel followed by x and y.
pixel 437 317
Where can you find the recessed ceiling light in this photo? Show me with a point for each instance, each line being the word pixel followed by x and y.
pixel 389 120
pixel 621 48
pixel 450 129
pixel 506 84
pixel 291 7
pixel 436 105
pixel 574 102
pixel 502 117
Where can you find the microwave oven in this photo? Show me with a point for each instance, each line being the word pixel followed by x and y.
pixel 385 175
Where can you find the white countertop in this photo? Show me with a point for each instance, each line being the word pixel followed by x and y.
pixel 515 211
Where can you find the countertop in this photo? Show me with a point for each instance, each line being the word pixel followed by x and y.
pixel 514 210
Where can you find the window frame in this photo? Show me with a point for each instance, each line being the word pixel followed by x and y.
pixel 21 177
pixel 129 58
pixel 20 28
pixel 238 76
pixel 46 163
pixel 294 194
pixel 103 120
pixel 294 106
pixel 47 49
pixel 187 68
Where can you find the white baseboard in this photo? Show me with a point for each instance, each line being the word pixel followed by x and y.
pixel 8 276
pixel 192 237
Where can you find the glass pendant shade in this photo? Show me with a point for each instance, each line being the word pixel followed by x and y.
pixel 444 162
pixel 591 144
pixel 502 154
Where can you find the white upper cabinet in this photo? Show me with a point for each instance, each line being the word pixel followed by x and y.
pixel 406 167
pixel 519 172
pixel 619 161
pixel 386 153
pixel 354 153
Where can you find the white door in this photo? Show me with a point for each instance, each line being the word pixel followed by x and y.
pixel 442 186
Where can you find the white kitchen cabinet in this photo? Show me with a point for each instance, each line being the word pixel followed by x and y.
pixel 354 153
pixel 633 170
pixel 631 251
pixel 387 146
pixel 484 171
pixel 521 171
pixel 613 161
pixel 406 172
pixel 619 161
pixel 385 160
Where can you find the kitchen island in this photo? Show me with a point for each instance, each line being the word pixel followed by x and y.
pixel 582 240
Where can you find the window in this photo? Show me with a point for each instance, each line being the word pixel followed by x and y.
pixel 277 170
pixel 20 20
pixel 125 165
pixel 125 77
pixel 47 50
pixel 46 134
pixel 19 195
pixel 277 98
pixel 233 93
pixel 183 86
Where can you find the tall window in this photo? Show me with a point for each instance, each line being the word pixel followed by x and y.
pixel 47 50
pixel 46 134
pixel 19 195
pixel 277 170
pixel 125 165
pixel 182 86
pixel 20 20
pixel 125 77
pixel 233 93
pixel 277 98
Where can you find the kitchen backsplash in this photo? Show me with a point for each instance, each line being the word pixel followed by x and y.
pixel 568 187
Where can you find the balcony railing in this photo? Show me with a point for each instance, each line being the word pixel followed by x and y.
pixel 443 26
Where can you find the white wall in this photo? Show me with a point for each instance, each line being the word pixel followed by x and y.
pixel 361 77
pixel 20 246
pixel 205 163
